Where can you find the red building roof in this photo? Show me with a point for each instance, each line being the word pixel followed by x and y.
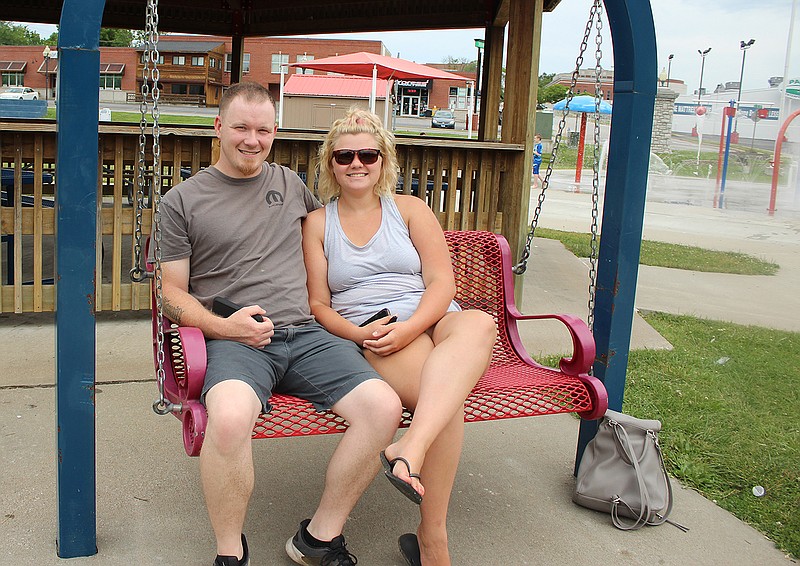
pixel 333 85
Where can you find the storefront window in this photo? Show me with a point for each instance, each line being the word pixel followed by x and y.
pixel 413 97
pixel 13 79
pixel 110 81
pixel 458 98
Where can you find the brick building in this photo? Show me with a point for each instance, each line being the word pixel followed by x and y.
pixel 194 69
pixel 25 65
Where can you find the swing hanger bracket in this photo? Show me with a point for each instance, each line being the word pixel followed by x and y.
pixel 138 274
pixel 164 407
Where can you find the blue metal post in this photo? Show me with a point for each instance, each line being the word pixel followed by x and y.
pixel 76 233
pixel 729 114
pixel 635 84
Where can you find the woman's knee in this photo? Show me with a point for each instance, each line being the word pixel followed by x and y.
pixel 473 326
pixel 486 326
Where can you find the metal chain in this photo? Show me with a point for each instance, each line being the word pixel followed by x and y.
pixel 598 69
pixel 522 266
pixel 138 272
pixel 151 74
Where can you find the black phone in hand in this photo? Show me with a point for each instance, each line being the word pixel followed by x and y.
pixel 225 308
pixel 379 315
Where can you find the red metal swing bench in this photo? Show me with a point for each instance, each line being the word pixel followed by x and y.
pixel 513 386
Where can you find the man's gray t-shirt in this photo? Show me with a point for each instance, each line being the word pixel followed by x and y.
pixel 243 239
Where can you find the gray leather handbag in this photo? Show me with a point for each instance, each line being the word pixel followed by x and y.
pixel 622 473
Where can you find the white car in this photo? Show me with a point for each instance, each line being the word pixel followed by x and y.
pixel 19 93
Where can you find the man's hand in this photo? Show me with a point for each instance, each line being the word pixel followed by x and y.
pixel 241 327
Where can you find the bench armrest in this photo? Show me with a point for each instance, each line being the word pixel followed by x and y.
pixel 184 362
pixel 194 356
pixel 583 347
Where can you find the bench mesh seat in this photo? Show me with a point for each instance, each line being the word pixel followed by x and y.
pixel 513 386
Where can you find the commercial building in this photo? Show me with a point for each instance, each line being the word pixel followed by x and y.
pixel 194 69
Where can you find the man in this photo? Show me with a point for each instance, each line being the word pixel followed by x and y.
pixel 234 230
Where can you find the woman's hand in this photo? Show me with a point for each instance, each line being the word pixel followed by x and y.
pixel 385 339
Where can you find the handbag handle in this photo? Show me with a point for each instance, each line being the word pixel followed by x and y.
pixel 644 514
pixel 644 496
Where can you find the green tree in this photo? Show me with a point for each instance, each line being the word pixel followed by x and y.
pixel 112 37
pixel 461 64
pixel 15 34
pixel 549 93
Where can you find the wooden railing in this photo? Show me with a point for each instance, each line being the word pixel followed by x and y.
pixel 460 180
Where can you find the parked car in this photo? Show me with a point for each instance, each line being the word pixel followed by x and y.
pixel 19 93
pixel 443 119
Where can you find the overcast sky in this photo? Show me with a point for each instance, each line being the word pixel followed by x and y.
pixel 682 27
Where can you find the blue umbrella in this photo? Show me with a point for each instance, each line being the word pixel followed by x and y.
pixel 583 103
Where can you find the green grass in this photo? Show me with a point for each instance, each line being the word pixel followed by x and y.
pixel 677 256
pixel 728 398
pixel 135 117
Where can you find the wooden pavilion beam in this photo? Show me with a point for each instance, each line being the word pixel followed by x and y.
pixel 491 82
pixel 519 109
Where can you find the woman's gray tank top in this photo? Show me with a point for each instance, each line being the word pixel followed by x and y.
pixel 385 272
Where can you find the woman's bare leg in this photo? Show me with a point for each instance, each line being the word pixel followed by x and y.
pixel 433 377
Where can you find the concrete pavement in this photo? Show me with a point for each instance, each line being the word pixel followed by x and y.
pixel 511 503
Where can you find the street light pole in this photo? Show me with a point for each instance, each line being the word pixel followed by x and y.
pixel 46 55
pixel 744 46
pixel 702 68
pixel 669 67
pixel 479 43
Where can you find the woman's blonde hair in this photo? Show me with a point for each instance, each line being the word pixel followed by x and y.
pixel 357 121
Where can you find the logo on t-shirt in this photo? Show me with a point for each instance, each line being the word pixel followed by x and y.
pixel 274 198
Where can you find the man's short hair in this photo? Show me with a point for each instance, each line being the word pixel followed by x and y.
pixel 251 91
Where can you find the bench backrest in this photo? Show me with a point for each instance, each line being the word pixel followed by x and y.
pixel 480 270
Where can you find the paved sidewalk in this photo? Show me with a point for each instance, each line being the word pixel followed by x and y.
pixel 511 503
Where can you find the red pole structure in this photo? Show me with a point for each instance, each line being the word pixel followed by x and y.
pixel 579 164
pixel 776 162
pixel 719 159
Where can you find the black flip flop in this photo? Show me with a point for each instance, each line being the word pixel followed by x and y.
pixel 402 486
pixel 409 548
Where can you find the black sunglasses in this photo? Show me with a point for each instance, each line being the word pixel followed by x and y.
pixel 365 156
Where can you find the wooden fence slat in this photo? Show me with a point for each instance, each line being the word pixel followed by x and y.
pixel 452 191
pixel 116 247
pixel 2 231
pixel 37 224
pixel 18 224
pixel 98 238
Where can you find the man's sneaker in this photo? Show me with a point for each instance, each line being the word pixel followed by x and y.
pixel 232 560
pixel 333 554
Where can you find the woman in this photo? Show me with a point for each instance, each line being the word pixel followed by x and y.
pixel 369 249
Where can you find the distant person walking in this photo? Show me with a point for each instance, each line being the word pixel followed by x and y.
pixel 537 161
